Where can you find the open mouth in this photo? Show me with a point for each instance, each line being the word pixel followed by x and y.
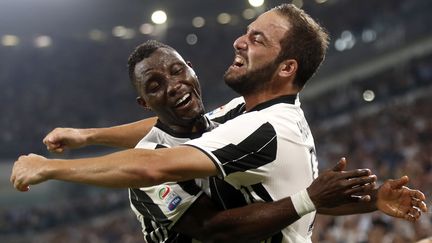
pixel 183 101
pixel 238 62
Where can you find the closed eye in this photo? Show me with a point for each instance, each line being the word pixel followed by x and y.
pixel 152 86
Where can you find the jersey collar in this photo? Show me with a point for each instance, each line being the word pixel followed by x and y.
pixel 177 134
pixel 289 99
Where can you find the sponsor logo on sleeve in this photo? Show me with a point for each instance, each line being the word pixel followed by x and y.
pixel 169 197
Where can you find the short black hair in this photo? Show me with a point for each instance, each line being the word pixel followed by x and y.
pixel 140 53
pixel 306 42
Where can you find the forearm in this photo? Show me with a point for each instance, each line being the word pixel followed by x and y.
pixel 347 209
pixel 133 167
pixel 124 136
pixel 250 223
pixel 119 170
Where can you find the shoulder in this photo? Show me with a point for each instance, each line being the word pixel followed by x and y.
pixel 228 111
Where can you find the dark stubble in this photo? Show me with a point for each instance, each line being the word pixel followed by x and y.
pixel 252 81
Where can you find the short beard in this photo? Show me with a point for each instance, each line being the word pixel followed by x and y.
pixel 252 81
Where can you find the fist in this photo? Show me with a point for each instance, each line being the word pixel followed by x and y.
pixel 28 170
pixel 60 139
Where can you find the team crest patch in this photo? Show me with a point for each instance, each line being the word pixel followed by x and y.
pixel 169 197
pixel 216 110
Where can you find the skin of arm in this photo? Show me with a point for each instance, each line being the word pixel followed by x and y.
pixel 259 221
pixel 250 223
pixel 129 168
pixel 140 167
pixel 123 136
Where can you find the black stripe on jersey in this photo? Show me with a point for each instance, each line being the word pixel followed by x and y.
pixel 148 229
pixel 225 195
pixel 290 99
pixel 247 195
pixel 258 149
pixel 190 187
pixel 233 113
pixel 260 190
pixel 181 239
pixel 277 238
pixel 159 146
pixel 144 204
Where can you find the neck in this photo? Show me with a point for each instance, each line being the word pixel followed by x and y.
pixel 266 94
pixel 274 89
pixel 199 125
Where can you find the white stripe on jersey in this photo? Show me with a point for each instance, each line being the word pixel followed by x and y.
pixel 156 230
pixel 279 168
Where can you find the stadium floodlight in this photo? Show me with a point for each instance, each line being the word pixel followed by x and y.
pixel 191 39
pixel 146 29
pixel 249 13
pixel 224 18
pixel 298 3
pixel 96 35
pixel 256 3
pixel 119 31
pixel 10 40
pixel 198 22
pixel 159 17
pixel 368 95
pixel 42 41
pixel 368 35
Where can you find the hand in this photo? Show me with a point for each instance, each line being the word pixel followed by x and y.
pixel 60 139
pixel 27 170
pixel 336 187
pixel 396 200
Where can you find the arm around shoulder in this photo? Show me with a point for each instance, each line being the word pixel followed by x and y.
pixel 251 223
pixel 129 168
pixel 123 136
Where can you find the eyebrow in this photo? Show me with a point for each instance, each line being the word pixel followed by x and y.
pixel 257 32
pixel 145 71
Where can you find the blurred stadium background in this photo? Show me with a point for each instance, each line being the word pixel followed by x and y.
pixel 63 63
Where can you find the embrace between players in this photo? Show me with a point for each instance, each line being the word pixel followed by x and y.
pixel 255 155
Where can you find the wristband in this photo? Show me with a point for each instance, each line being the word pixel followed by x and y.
pixel 302 203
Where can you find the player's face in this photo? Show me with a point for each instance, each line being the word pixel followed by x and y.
pixel 255 53
pixel 170 87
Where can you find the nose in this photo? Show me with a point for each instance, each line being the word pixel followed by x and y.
pixel 240 43
pixel 173 87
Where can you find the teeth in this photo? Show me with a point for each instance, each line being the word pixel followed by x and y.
pixel 182 99
pixel 238 60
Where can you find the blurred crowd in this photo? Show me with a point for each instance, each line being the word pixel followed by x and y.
pixel 392 142
pixel 391 135
pixel 82 83
pixel 382 122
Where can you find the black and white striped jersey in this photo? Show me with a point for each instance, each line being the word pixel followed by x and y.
pixel 268 153
pixel 158 208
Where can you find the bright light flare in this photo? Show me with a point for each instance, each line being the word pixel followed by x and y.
pixel 42 41
pixel 159 17
pixel 368 95
pixel 256 3
pixel 10 40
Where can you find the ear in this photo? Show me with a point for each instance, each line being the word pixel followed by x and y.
pixel 189 64
pixel 288 68
pixel 142 102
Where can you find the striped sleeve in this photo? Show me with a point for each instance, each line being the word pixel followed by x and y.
pixel 245 144
pixel 164 203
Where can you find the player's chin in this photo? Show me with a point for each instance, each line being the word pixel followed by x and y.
pixel 189 117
